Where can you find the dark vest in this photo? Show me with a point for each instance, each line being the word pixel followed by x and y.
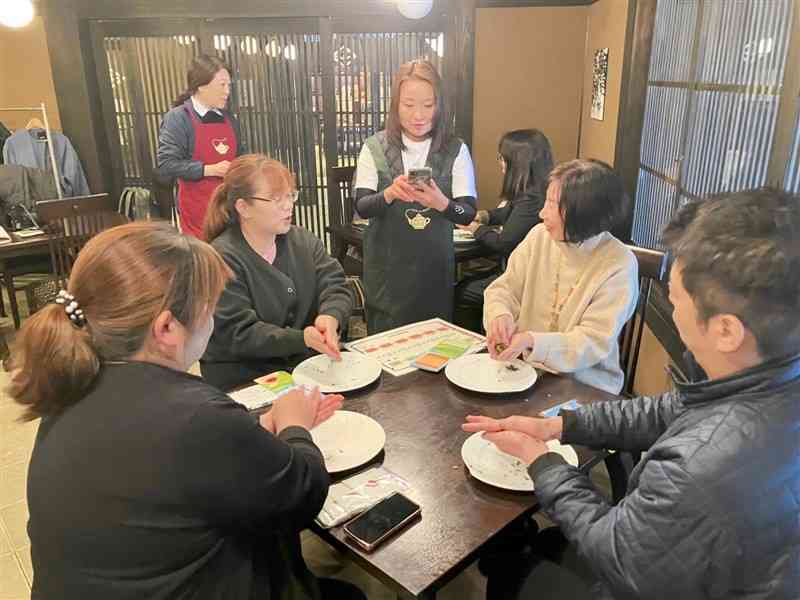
pixel 409 265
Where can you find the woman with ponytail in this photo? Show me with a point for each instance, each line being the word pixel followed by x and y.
pixel 146 482
pixel 198 139
pixel 288 297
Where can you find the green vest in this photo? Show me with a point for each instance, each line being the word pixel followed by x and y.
pixel 409 269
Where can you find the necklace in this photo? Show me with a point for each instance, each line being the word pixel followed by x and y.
pixel 555 313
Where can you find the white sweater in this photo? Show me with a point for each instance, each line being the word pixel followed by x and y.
pixel 604 298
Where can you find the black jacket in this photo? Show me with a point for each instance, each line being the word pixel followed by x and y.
pixel 259 321
pixel 713 507
pixel 158 486
pixel 517 217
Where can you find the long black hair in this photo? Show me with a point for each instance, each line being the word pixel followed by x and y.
pixel 201 72
pixel 528 159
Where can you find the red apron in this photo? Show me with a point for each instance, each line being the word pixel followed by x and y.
pixel 213 143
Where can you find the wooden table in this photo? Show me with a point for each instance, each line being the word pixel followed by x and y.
pixel 12 263
pixel 422 414
pixel 354 236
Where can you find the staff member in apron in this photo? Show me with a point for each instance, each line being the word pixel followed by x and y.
pixel 198 139
pixel 409 264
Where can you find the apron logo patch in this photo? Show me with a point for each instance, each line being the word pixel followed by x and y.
pixel 221 145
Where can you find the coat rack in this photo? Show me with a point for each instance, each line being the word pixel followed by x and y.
pixel 41 108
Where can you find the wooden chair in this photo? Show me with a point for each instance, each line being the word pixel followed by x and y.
pixel 341 205
pixel 652 270
pixel 70 223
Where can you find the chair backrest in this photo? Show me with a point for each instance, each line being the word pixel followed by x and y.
pixel 652 268
pixel 340 194
pixel 70 223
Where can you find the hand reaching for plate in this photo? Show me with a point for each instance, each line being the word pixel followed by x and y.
pixel 524 340
pixel 500 332
pixel 298 408
pixel 328 404
pixel 328 326
pixel 541 429
pixel 517 444
pixel 320 340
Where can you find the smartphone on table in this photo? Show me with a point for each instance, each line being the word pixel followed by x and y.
pixel 419 176
pixel 381 521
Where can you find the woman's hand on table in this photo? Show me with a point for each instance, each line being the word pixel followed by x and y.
pixel 328 327
pixel 536 427
pixel 501 330
pixel 400 189
pixel 430 196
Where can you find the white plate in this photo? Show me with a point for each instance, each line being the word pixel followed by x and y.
pixel 354 372
pixel 348 440
pixel 488 464
pixel 463 237
pixel 479 373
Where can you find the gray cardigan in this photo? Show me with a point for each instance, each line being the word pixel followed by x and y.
pixel 176 144
pixel 259 321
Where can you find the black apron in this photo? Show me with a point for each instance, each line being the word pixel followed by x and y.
pixel 409 263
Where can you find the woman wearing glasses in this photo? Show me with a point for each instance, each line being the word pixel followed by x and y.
pixel 288 297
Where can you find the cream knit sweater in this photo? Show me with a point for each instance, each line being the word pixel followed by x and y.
pixel 602 275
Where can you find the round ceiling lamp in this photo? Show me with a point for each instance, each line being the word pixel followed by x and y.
pixel 16 13
pixel 414 9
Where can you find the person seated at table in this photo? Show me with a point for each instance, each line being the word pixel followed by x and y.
pixel 525 160
pixel 146 482
pixel 409 261
pixel 570 286
pixel 288 297
pixel 711 509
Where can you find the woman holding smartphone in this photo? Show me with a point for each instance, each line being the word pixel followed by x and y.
pixel 414 180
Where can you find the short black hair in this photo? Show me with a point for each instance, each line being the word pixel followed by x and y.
pixel 739 253
pixel 592 198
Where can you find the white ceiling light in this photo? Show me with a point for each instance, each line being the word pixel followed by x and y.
pixel 222 42
pixel 249 45
pixel 414 9
pixel 16 13
pixel 274 48
pixel 437 44
pixel 184 40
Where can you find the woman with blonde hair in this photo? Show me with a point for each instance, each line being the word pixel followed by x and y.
pixel 409 262
pixel 146 482
pixel 288 297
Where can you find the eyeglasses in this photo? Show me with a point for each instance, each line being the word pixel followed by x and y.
pixel 289 198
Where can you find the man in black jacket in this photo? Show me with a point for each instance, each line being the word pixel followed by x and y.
pixel 713 508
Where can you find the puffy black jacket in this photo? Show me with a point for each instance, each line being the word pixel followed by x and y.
pixel 713 508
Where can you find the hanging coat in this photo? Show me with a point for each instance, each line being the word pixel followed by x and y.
pixel 409 262
pixel 28 148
